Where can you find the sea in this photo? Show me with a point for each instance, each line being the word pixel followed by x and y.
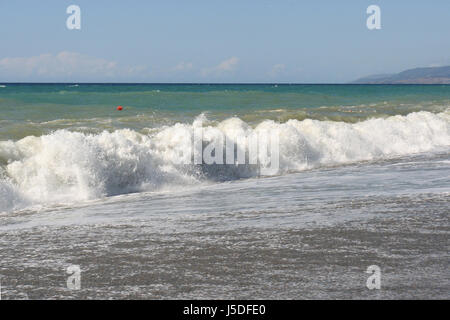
pixel 95 204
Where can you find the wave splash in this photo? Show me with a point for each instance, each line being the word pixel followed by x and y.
pixel 67 166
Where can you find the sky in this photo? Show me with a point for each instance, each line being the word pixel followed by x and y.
pixel 212 41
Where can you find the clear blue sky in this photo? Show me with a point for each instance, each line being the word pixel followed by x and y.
pixel 219 41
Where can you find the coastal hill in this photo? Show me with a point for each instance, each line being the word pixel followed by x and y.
pixel 431 75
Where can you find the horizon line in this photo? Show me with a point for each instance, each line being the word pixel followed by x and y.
pixel 221 83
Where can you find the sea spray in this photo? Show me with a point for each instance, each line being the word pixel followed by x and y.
pixel 66 166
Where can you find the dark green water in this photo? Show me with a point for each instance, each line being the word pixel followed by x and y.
pixel 36 109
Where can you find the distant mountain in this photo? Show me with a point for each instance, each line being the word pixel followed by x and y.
pixel 432 75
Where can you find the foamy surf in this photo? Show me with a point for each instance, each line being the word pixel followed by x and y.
pixel 67 166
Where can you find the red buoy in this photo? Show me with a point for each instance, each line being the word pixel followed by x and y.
pixel 119 108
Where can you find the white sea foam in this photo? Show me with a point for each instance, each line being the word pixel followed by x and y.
pixel 69 166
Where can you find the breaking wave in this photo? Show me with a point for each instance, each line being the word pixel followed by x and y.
pixel 67 166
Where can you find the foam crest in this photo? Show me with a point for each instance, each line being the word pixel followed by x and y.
pixel 67 166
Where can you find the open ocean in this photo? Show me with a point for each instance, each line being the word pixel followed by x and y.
pixel 363 179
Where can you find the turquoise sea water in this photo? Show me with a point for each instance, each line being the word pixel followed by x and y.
pixel 27 109
pixel 363 179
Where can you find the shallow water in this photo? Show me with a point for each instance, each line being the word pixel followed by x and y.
pixel 306 235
